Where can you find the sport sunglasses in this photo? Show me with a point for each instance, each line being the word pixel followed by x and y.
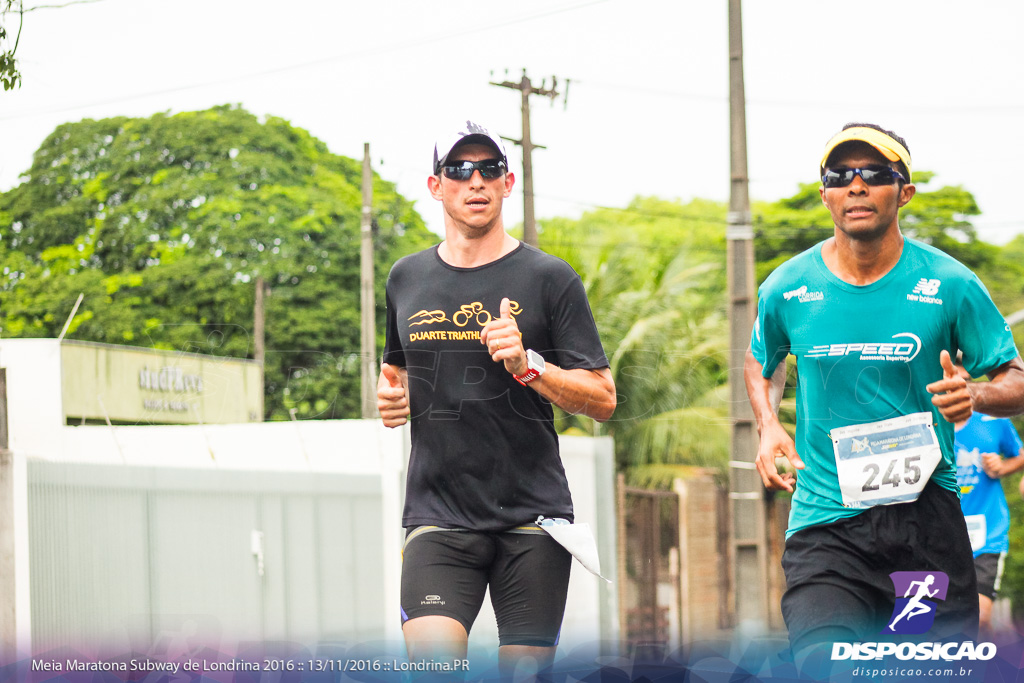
pixel 463 170
pixel 875 176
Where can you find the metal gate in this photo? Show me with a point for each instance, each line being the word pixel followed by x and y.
pixel 651 600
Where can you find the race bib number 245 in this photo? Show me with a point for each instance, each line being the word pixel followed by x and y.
pixel 887 462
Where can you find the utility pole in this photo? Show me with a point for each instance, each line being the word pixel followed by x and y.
pixel 259 323
pixel 748 528
pixel 526 88
pixel 368 337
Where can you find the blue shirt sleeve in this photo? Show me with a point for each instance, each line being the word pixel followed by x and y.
pixel 1010 443
pixel 981 331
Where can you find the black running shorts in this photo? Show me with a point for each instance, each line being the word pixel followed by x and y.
pixel 837 575
pixel 989 567
pixel 446 572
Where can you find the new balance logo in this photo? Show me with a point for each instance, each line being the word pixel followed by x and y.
pixel 927 287
pixel 925 291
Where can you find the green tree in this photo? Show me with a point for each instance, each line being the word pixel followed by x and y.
pixel 654 275
pixel 165 223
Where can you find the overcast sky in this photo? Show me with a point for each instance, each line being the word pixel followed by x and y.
pixel 647 109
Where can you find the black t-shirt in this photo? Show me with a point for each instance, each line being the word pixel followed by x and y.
pixel 484 448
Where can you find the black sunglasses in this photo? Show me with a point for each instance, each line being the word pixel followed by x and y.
pixel 871 175
pixel 463 170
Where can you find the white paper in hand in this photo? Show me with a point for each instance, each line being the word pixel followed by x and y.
pixel 578 539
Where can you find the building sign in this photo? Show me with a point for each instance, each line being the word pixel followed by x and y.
pixel 129 385
pixel 169 378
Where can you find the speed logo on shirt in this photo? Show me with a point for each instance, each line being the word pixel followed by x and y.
pixel 903 348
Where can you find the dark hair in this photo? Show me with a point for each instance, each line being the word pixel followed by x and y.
pixel 902 167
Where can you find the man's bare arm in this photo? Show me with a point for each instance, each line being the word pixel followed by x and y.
pixel 579 391
pixel 1001 396
pixel 765 396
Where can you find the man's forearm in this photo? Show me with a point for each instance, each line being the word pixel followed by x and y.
pixel 765 394
pixel 1003 395
pixel 580 392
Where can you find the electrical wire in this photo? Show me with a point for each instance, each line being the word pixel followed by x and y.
pixel 393 47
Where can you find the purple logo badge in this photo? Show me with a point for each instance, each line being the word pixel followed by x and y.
pixel 916 596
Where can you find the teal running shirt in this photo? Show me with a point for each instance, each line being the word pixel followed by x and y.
pixel 866 354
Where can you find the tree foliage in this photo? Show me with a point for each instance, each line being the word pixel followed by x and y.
pixel 10 76
pixel 1005 280
pixel 655 276
pixel 165 223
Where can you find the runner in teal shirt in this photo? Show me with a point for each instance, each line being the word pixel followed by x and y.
pixel 874 320
pixel 865 354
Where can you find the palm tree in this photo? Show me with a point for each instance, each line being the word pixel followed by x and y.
pixel 655 277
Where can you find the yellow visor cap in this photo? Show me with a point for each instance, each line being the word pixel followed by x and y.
pixel 890 149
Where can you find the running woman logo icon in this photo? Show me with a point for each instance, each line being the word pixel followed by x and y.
pixel 917 594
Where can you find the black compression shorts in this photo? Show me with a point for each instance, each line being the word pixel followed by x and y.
pixel 446 572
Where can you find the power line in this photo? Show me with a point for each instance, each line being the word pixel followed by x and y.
pixel 804 104
pixel 974 220
pixel 393 47
pixel 977 222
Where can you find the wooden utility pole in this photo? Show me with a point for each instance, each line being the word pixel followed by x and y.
pixel 749 538
pixel 368 337
pixel 526 88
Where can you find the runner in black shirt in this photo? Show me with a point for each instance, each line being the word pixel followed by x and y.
pixel 483 334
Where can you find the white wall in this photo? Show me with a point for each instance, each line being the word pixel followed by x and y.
pixel 203 458
pixel 34 408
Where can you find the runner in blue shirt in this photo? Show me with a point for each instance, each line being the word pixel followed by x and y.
pixel 987 449
pixel 872 318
